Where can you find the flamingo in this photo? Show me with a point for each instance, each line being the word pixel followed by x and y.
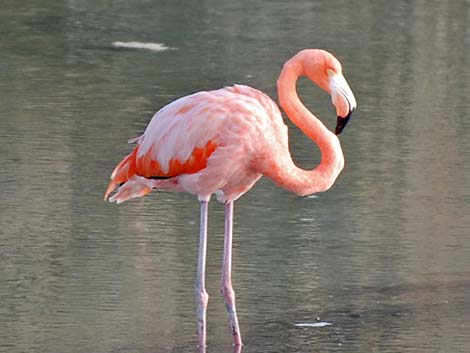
pixel 223 141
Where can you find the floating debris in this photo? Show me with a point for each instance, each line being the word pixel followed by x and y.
pixel 313 324
pixel 140 45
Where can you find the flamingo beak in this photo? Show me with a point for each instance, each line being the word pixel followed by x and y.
pixel 341 122
pixel 343 99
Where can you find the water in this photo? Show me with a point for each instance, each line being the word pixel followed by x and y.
pixel 384 256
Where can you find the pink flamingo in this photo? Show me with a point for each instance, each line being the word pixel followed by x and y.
pixel 223 141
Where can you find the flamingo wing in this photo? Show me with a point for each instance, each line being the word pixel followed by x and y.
pixel 178 140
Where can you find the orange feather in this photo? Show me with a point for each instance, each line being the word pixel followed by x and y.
pixel 148 167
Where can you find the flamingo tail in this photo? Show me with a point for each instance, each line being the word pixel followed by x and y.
pixel 134 187
pixel 128 184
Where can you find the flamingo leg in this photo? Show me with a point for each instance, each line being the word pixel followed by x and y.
pixel 226 286
pixel 201 295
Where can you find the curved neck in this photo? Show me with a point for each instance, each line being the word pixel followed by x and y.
pixel 332 161
pixel 291 104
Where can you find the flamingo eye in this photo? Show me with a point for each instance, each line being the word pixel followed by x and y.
pixel 330 72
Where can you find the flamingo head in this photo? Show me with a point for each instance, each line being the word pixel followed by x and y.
pixel 325 70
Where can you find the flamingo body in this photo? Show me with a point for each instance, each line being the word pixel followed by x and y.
pixel 223 141
pixel 204 143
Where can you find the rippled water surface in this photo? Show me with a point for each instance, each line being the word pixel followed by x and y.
pixel 384 257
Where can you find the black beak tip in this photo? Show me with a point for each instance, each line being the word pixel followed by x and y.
pixel 341 122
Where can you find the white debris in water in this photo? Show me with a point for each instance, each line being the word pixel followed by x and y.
pixel 312 197
pixel 313 324
pixel 140 45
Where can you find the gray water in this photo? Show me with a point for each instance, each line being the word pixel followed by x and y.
pixel 384 256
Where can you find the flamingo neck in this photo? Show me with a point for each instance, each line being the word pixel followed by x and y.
pixel 322 177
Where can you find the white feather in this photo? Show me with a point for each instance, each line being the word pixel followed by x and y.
pixel 175 130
